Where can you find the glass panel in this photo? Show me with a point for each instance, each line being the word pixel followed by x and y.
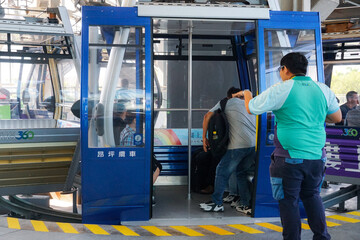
pixel 280 42
pixel 277 44
pixel 70 88
pixel 171 128
pixel 116 87
pixel 211 80
pixel 26 91
pixel 345 78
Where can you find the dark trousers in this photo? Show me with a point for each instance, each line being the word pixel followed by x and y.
pixel 300 179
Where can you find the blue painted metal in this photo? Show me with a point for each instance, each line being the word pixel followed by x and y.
pixel 264 204
pixel 114 189
pixel 241 65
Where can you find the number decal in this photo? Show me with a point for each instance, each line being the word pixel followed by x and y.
pixel 25 135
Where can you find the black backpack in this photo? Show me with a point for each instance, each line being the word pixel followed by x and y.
pixel 218 131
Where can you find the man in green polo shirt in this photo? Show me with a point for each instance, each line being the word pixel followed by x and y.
pixel 301 106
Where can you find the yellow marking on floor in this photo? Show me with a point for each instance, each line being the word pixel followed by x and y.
pixel 354 213
pixel 39 226
pixel 305 226
pixel 270 226
pixel 96 229
pixel 13 223
pixel 156 231
pixel 332 224
pixel 125 230
pixel 345 219
pixel 187 231
pixel 245 228
pixel 216 230
pixel 67 227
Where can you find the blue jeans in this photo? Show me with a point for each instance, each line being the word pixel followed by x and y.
pixel 232 185
pixel 299 179
pixel 242 160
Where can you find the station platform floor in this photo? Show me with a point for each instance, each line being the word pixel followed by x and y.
pixel 176 217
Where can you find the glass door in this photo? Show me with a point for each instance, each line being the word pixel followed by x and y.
pixel 116 136
pixel 285 32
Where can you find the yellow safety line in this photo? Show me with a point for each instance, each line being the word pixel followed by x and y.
pixel 67 227
pixel 96 229
pixel 332 224
pixel 245 228
pixel 216 230
pixel 156 231
pixel 13 223
pixel 354 213
pixel 305 226
pixel 125 230
pixel 39 226
pixel 187 231
pixel 345 219
pixel 270 226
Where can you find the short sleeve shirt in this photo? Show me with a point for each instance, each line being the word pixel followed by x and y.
pixel 242 125
pixel 300 106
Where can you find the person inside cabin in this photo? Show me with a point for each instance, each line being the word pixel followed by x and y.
pixel 239 157
pixel 352 100
pixel 353 117
pixel 127 134
pixel 297 167
pixel 119 116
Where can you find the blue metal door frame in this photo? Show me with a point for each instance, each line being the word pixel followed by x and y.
pixel 264 204
pixel 108 197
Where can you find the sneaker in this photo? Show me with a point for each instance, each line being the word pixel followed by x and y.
pixel 203 205
pixel 244 209
pixel 213 208
pixel 229 198
pixel 235 203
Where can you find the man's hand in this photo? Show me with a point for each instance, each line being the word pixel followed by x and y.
pixel 238 95
pixel 206 145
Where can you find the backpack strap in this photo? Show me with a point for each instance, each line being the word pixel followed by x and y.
pixel 223 104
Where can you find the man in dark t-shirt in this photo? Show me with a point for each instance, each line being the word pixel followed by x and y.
pixel 352 99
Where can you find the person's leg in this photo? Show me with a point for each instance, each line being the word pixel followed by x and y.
pixel 233 189
pixel 310 196
pixel 292 177
pixel 242 171
pixel 226 166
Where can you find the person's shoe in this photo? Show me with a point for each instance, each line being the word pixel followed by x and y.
pixel 229 198
pixel 213 208
pixel 208 190
pixel 244 209
pixel 203 205
pixel 235 203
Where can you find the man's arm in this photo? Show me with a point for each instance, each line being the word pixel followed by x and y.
pixel 334 117
pixel 206 120
pixel 247 96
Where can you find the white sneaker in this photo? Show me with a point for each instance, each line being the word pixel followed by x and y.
pixel 229 198
pixel 203 205
pixel 244 209
pixel 235 204
pixel 213 208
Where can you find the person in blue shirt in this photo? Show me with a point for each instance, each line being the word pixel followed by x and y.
pixel 301 106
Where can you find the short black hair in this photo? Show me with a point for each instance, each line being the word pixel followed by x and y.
pixel 295 62
pixel 130 116
pixel 350 95
pixel 231 91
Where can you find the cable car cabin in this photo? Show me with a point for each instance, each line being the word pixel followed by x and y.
pixel 167 68
pixel 38 85
pixel 342 65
